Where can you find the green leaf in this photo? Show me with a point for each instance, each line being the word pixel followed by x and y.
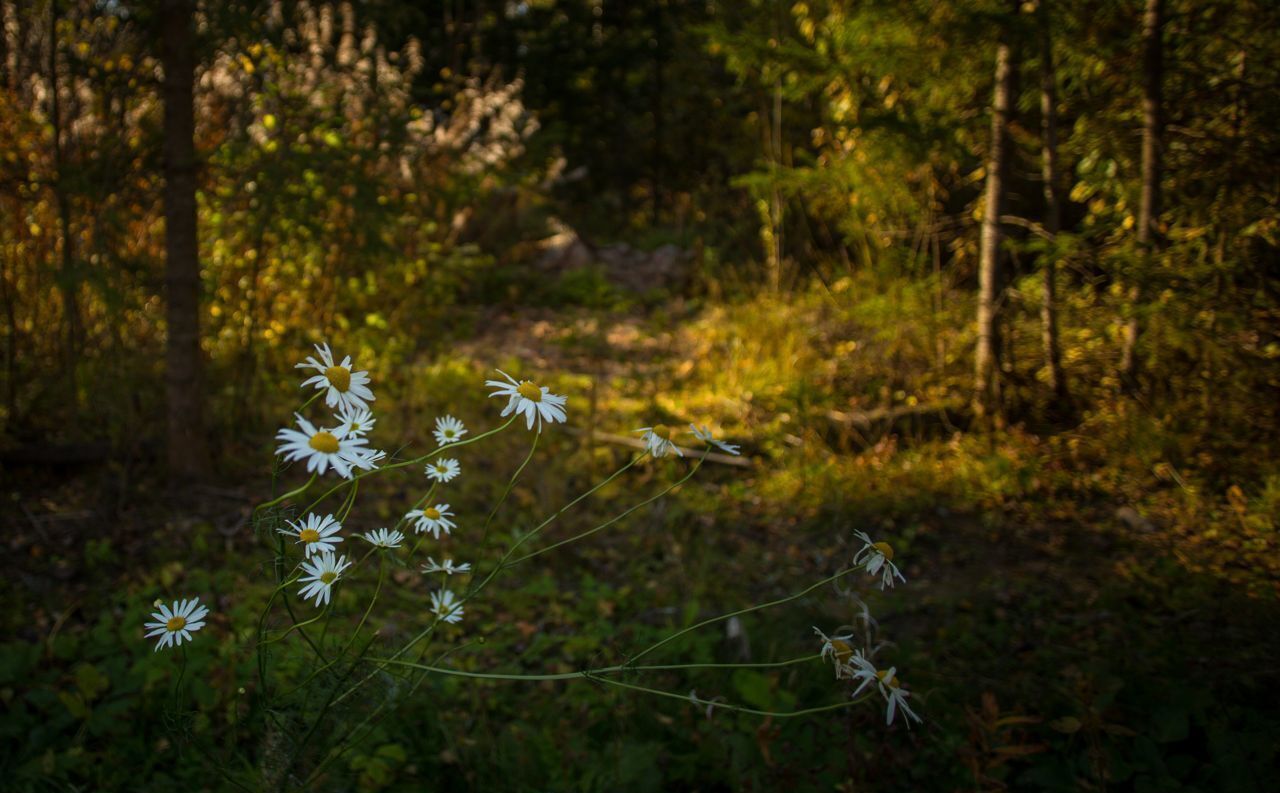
pixel 74 704
pixel 91 681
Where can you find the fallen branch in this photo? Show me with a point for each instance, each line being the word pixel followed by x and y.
pixel 865 419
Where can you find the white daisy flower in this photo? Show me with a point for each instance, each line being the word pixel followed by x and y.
pixel 448 430
pixel 877 557
pixel 527 398
pixel 657 440
pixel 323 448
pixel 355 422
pixel 175 624
pixel 447 567
pixel 443 470
pixel 703 434
pixel 446 606
pixel 384 538
pixel 886 681
pixel 345 387
pixel 434 519
pixel 838 649
pixel 317 534
pixel 321 575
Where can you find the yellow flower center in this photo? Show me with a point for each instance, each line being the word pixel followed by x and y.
pixel 324 442
pixel 309 535
pixel 431 513
pixel 891 682
pixel 328 577
pixel 176 624
pixel 529 391
pixel 886 549
pixel 842 649
pixel 339 377
pixel 355 426
pixel 663 431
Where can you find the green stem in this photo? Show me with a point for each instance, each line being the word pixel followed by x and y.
pixel 746 665
pixel 595 675
pixel 511 483
pixel 295 626
pixel 739 612
pixel 182 673
pixel 350 502
pixel 295 492
pixel 347 648
pixel 502 564
pixel 293 618
pixel 690 698
pixel 603 670
pixel 609 522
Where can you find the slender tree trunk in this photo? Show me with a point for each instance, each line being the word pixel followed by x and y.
pixel 67 274
pixel 4 44
pixel 188 456
pixel 657 102
pixel 775 200
pixel 1052 203
pixel 986 364
pixel 1149 208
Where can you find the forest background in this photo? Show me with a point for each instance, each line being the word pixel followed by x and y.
pixel 995 280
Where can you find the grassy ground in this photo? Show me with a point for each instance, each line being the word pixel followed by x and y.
pixel 1086 608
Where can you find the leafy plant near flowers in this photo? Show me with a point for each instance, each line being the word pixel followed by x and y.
pixel 302 647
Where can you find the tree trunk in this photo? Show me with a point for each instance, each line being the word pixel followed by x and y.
pixel 1052 204
pixel 658 101
pixel 187 453
pixel 1149 208
pixel 986 382
pixel 67 274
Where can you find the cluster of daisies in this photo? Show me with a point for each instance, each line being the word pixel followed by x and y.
pixel 853 664
pixel 341 445
pixel 343 448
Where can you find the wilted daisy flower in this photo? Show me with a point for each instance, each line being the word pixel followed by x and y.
pixel 323 448
pixel 344 386
pixel 355 422
pixel 703 434
pixel 443 470
pixel 657 440
pixel 838 649
pixel 445 606
pixel 886 681
pixel 370 458
pixel 447 567
pixel 434 519
pixel 316 534
pixel 175 624
pixel 321 572
pixel 448 430
pixel 529 399
pixel 384 538
pixel 877 557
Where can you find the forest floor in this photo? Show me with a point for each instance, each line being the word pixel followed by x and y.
pixel 1048 643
